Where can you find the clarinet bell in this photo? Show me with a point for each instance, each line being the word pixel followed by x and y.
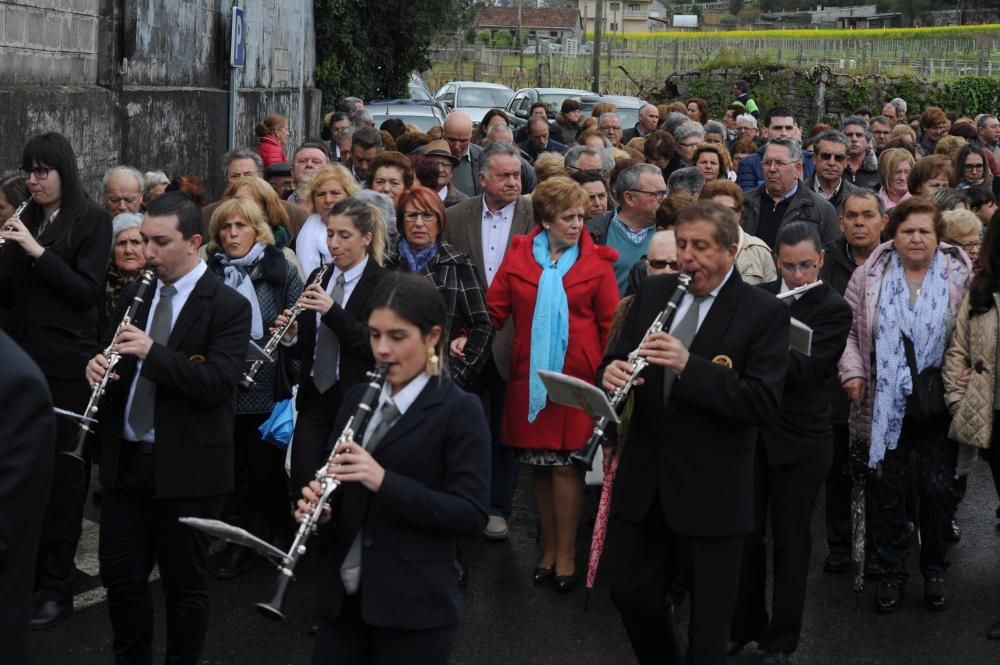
pixel 274 608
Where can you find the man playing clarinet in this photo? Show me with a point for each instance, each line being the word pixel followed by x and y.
pixel 684 494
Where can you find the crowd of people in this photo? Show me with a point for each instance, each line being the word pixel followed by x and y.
pixel 463 261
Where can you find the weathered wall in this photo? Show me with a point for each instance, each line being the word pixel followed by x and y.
pixel 145 82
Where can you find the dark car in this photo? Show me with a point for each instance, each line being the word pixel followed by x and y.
pixel 520 104
pixel 628 107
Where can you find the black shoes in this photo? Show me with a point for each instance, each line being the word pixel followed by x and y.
pixel 837 562
pixel 543 574
pixel 953 533
pixel 934 593
pixel 873 571
pixel 775 658
pixel 49 613
pixel 888 597
pixel 994 632
pixel 239 559
pixel 564 583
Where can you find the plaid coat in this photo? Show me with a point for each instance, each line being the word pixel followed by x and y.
pixel 453 273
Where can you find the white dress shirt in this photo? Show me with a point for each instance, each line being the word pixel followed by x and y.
pixel 351 279
pixel 496 231
pixel 443 193
pixel 785 289
pixel 185 285
pixel 310 245
pixel 706 304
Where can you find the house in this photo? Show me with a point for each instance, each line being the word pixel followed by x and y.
pixel 622 17
pixel 557 24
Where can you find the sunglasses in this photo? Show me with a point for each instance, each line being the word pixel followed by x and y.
pixel 660 264
pixel 827 156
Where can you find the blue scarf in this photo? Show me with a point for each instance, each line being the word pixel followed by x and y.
pixel 236 275
pixel 550 324
pixel 417 262
pixel 926 325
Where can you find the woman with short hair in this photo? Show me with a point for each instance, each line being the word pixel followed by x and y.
pixel 260 192
pixel 329 185
pixel 127 258
pixel 929 175
pixel 560 289
pixel 390 173
pixel 894 166
pixel 713 161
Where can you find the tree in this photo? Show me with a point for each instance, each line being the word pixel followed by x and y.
pixel 368 49
pixel 736 6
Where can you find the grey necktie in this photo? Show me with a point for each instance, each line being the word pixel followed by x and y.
pixel 684 333
pixel 350 570
pixel 328 346
pixel 140 417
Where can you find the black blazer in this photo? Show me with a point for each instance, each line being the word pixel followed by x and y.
pixel 436 488
pixel 27 448
pixel 350 322
pixel 196 374
pixel 696 453
pixel 802 432
pixel 57 302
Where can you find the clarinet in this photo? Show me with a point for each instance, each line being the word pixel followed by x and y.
pixel 113 357
pixel 585 456
pixel 273 608
pixel 17 213
pixel 270 349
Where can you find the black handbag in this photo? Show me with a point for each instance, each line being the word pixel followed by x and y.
pixel 926 403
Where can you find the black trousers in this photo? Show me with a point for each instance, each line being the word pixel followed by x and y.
pixel 787 493
pixel 63 518
pixel 934 472
pixel 492 389
pixel 838 493
pixel 644 559
pixel 351 641
pixel 260 494
pixel 313 432
pixel 138 531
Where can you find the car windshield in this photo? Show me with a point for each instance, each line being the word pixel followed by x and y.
pixel 554 101
pixel 482 97
pixel 424 122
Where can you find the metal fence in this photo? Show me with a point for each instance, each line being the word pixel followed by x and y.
pixel 636 66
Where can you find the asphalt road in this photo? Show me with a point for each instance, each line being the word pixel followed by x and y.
pixel 508 621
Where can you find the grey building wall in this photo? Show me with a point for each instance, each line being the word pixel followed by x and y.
pixel 146 82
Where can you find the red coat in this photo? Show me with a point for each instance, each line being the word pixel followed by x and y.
pixel 592 293
pixel 271 151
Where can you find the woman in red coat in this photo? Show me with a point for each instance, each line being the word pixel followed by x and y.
pixel 273 132
pixel 560 289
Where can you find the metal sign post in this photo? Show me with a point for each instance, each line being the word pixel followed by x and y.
pixel 237 60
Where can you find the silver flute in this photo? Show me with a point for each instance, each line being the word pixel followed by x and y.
pixel 585 456
pixel 89 415
pixel 270 350
pixel 791 293
pixel 17 213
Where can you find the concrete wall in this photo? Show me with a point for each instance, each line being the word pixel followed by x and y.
pixel 146 82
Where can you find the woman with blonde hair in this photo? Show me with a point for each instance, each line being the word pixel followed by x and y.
pixel 894 166
pixel 273 133
pixel 241 252
pixel 260 192
pixel 328 186
pixel 549 165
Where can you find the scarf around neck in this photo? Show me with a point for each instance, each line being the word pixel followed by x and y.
pixel 550 323
pixel 416 261
pixel 236 275
pixel 925 324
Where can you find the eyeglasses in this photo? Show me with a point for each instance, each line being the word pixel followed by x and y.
pixel 611 128
pixel 660 264
pixel 972 167
pixel 744 130
pixel 827 156
pixel 689 144
pixel 659 194
pixel 967 246
pixel 768 163
pixel 423 215
pixel 792 268
pixel 40 172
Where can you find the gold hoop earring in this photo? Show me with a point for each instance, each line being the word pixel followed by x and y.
pixel 433 362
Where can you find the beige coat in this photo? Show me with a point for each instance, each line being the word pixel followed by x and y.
pixel 754 261
pixel 973 344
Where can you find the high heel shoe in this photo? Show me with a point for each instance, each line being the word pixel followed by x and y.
pixel 543 574
pixel 564 583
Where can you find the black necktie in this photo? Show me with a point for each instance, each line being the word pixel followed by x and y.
pixel 140 417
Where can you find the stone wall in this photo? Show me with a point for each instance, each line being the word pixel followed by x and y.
pixel 146 82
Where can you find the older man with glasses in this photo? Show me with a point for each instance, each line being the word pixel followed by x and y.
pixel 783 199
pixel 610 125
pixel 639 190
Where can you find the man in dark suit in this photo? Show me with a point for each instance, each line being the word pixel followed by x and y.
pixel 482 228
pixel 27 448
pixel 167 435
pixel 683 498
pixel 538 140
pixel 793 456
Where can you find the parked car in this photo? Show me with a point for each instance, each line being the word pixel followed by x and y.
pixel 423 114
pixel 473 97
pixel 418 88
pixel 520 103
pixel 628 107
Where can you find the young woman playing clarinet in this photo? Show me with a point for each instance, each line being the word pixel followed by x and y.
pixel 416 479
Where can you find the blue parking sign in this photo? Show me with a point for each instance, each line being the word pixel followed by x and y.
pixel 238 45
